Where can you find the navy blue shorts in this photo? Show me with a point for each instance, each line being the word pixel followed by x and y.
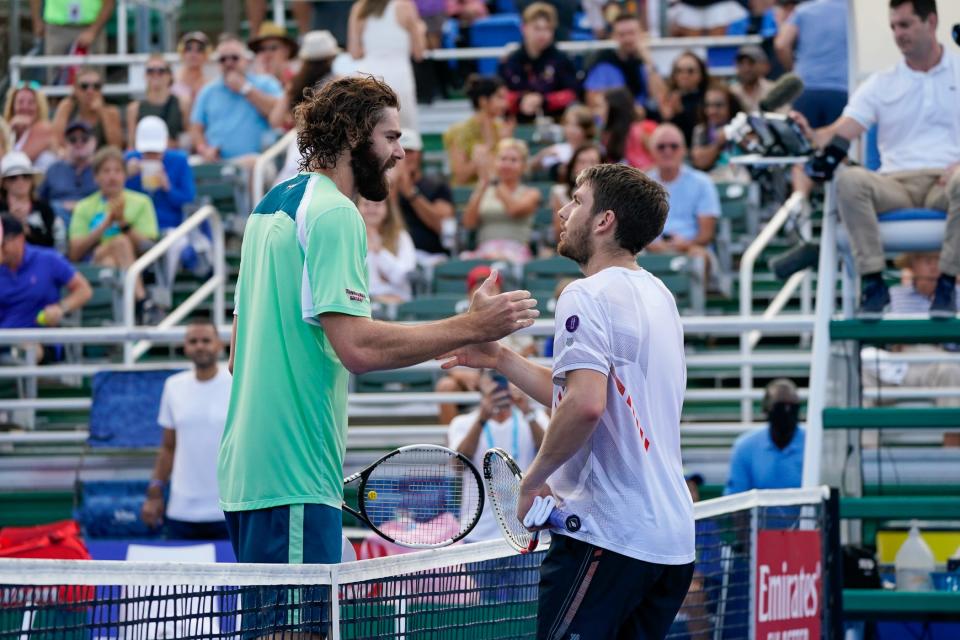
pixel 291 534
pixel 590 592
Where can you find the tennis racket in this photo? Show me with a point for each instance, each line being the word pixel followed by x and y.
pixel 423 496
pixel 503 478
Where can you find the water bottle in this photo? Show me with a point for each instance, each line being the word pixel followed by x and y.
pixel 914 563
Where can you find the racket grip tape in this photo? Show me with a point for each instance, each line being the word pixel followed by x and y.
pixel 563 520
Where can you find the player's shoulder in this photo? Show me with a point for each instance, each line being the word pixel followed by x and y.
pixel 323 198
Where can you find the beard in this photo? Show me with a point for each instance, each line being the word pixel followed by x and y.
pixel 369 173
pixel 575 245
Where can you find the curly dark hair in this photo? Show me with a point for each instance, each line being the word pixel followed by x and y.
pixel 338 117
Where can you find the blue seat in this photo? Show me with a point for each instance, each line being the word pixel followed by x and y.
pixel 494 31
pixel 727 56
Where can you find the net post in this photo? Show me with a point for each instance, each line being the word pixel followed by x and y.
pixel 334 603
pixel 754 525
pixel 832 566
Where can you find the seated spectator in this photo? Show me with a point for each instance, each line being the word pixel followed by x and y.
pixel 165 176
pixel 317 55
pixel 469 143
pixel 70 180
pixel 813 43
pixel 504 419
pixel 159 101
pixel 915 110
pixel 425 201
pixel 31 280
pixel 235 102
pixel 191 76
pixel 625 136
pixel 694 202
pixel 921 272
pixel 711 151
pixel 462 379
pixel 771 457
pixel 275 52
pixel 86 104
pixel 561 193
pixel 751 86
pixel 68 26
pixel 27 114
pixel 466 12
pixel 540 78
pixel 193 412
pixel 390 253
pixel 686 90
pixel 501 207
pixel 113 226
pixel 691 18
pixel 579 129
pixel 18 198
pixel 629 66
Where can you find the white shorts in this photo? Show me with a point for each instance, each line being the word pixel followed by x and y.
pixel 716 15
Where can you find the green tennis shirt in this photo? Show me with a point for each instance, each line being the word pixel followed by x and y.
pixel 304 254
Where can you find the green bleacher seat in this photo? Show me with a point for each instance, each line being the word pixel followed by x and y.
pixel 733 228
pixel 429 307
pixel 451 276
pixel 398 380
pixel 675 272
pixel 218 184
pixel 104 304
pixel 543 274
pixel 461 195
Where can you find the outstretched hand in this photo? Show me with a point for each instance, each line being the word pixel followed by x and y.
pixel 476 356
pixel 497 315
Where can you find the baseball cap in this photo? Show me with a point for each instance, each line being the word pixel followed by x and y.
pixel 480 273
pixel 195 36
pixel 79 125
pixel 410 140
pixel 151 135
pixel 752 52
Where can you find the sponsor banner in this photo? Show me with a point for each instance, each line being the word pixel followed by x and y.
pixel 789 585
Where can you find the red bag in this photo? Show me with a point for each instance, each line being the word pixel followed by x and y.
pixel 57 540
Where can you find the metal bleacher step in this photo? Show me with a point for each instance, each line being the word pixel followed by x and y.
pixel 891 418
pixel 897 330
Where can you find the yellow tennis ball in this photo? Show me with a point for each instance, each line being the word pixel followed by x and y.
pixel 371 495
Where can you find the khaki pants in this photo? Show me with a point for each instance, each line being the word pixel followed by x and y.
pixel 862 194
pixel 59 39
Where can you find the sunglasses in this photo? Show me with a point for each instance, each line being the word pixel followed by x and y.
pixel 714 105
pixel 229 58
pixel 271 47
pixel 22 176
pixel 77 139
pixel 157 71
pixel 668 146
pixel 28 84
pixel 87 86
pixel 688 70
pixel 197 47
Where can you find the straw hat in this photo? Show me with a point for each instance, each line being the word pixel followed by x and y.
pixel 272 31
pixel 319 45
pixel 16 163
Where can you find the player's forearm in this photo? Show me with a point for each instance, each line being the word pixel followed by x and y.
pixel 533 379
pixel 572 425
pixel 161 470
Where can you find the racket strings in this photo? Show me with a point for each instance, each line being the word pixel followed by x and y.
pixel 422 497
pixel 504 491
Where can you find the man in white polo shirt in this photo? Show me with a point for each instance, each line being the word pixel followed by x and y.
pixel 916 108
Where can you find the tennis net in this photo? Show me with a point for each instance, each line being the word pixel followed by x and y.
pixel 481 591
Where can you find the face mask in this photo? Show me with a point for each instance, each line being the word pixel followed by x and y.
pixel 783 418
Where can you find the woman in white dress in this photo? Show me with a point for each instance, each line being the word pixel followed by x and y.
pixel 383 36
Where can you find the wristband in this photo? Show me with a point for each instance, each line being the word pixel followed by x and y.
pixel 246 88
pixel 156 484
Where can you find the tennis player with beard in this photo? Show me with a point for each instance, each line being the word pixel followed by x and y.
pixel 302 323
pixel 612 452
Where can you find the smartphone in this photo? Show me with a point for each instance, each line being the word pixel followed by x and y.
pixel 500 380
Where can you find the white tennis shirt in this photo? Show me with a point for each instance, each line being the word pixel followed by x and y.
pixel 626 483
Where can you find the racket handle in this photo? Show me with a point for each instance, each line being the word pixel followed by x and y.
pixel 563 520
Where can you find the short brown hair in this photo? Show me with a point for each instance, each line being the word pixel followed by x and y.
pixel 638 202
pixel 105 155
pixel 338 117
pixel 539 10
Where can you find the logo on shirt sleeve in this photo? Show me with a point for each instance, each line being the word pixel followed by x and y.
pixel 572 323
pixel 355 296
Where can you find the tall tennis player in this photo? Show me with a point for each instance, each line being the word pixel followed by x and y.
pixel 302 323
pixel 612 451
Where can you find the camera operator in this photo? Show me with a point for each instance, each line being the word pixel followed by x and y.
pixel 914 106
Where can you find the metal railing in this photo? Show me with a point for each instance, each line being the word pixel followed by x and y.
pixel 213 285
pixel 259 187
pixel 749 338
